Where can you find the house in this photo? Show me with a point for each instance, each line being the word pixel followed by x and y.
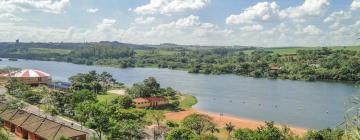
pixel 33 127
pixel 28 76
pixel 150 102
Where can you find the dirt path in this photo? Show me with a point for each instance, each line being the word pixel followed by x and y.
pixel 220 121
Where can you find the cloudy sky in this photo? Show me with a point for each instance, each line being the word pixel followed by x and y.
pixel 199 22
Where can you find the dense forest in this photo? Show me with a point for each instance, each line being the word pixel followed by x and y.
pixel 307 64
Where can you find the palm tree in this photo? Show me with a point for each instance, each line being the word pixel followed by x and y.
pixel 229 127
pixel 212 129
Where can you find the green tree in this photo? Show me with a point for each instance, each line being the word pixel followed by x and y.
pixel 197 122
pixel 95 116
pixel 83 95
pixel 123 102
pixel 244 134
pixel 205 137
pixel 171 124
pixel 180 134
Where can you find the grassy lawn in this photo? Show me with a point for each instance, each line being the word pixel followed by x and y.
pixel 188 101
pixel 106 97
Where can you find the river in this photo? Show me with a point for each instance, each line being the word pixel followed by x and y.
pixel 297 103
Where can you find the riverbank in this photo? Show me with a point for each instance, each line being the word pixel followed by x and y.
pixel 220 121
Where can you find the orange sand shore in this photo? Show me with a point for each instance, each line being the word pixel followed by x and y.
pixel 221 120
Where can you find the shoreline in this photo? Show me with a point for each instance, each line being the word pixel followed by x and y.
pixel 220 121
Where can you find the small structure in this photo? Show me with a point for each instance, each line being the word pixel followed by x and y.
pixel 275 68
pixel 28 76
pixel 33 127
pixel 150 102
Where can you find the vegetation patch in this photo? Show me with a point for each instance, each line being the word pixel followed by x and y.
pixel 187 101
pixel 106 97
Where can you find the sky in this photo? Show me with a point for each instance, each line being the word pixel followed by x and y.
pixel 275 23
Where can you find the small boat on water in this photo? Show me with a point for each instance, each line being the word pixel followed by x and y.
pixel 13 59
pixel 0 59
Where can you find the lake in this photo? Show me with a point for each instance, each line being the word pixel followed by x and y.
pixel 297 103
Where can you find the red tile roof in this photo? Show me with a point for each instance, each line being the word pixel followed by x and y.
pixel 140 100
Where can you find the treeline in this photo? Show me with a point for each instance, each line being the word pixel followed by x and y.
pixel 319 64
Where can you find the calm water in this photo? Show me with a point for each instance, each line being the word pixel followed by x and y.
pixel 299 103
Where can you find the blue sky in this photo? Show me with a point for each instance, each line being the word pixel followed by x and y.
pixel 200 22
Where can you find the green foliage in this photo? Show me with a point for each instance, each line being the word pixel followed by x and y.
pixel 244 134
pixel 92 81
pixel 267 132
pixel 180 134
pixel 188 101
pixel 171 124
pixel 3 135
pixel 197 123
pixel 205 137
pixel 82 96
pixel 325 134
pixel 149 87
pixel 123 102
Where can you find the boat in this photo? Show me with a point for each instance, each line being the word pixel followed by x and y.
pixel 0 59
pixel 13 59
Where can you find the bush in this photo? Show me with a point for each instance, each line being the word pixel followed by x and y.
pixel 180 134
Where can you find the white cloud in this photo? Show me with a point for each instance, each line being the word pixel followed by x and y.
pixel 337 16
pixel 260 11
pixel 311 30
pixel 10 17
pixel 92 10
pixel 252 28
pixel 308 8
pixel 105 24
pixel 170 6
pixel 143 20
pixel 49 6
pixel 355 4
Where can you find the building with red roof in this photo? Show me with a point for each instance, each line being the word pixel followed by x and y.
pixel 28 76
pixel 150 102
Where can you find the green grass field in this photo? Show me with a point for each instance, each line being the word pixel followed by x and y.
pixel 106 97
pixel 188 101
pixel 293 50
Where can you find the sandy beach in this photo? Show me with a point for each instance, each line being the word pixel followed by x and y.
pixel 221 120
